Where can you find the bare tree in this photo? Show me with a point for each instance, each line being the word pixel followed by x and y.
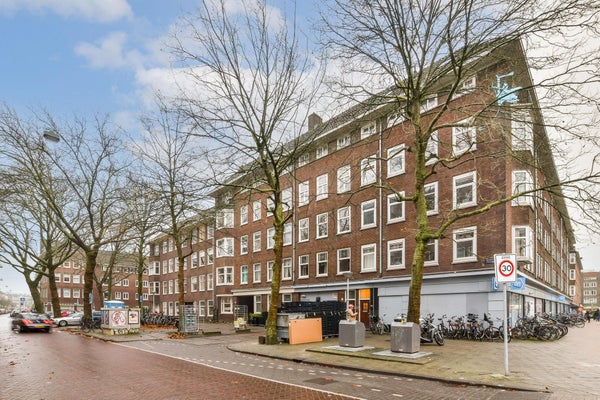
pixel 247 89
pixel 32 243
pixel 173 177
pixel 89 170
pixel 404 54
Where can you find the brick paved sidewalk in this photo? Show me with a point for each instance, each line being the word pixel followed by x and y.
pixel 568 368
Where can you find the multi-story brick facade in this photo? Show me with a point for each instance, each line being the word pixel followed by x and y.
pixel 69 283
pixel 591 292
pixel 349 230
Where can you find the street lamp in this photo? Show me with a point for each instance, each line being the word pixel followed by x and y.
pixel 347 275
pixel 51 136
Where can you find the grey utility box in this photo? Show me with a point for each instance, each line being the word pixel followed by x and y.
pixel 405 337
pixel 351 333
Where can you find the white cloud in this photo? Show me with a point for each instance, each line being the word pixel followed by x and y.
pixel 110 52
pixel 92 10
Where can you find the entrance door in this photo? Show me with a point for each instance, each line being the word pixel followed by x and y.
pixel 364 312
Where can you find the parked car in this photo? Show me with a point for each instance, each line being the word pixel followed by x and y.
pixel 71 319
pixel 31 322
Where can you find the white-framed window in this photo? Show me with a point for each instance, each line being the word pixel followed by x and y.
pixel 368 130
pixel 466 86
pixel 66 278
pixel 165 246
pixel 226 305
pixel 117 294
pixel 270 206
pixel 287 234
pixel 244 275
pixel 523 242
pixel 343 260
pixel 67 293
pixel 303 230
pixel 303 266
pixel 125 295
pixel 322 263
pixel 210 256
pixel 343 141
pixel 465 190
pixel 156 268
pixel 303 194
pixel 395 118
pixel 431 198
pixel 76 279
pixel 256 210
pixel 171 264
pixel 210 308
pixel 202 255
pixel 256 271
pixel 224 218
pixel 396 160
pixel 258 303
pixel 202 308
pixel 286 269
pixel 522 131
pixel 368 171
pixel 322 151
pixel 286 199
pixel 368 216
pixel 465 244
pixel 343 220
pixel 165 289
pixel 395 207
pixel 431 151
pixel 194 260
pixel 429 103
pixel 76 293
pixel 322 225
pixel 244 244
pixel 464 137
pixel 522 182
pixel 322 186
pixel 244 214
pixel 125 282
pixel 431 254
pixel 343 179
pixel 209 281
pixel 303 159
pixel 396 254
pixel 57 277
pixel 194 284
pixel 225 247
pixel 368 258
pixel 270 238
pixel 270 270
pixel 256 242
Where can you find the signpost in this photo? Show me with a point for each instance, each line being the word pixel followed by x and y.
pixel 505 267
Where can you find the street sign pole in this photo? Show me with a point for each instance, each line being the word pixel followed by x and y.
pixel 505 267
pixel 506 372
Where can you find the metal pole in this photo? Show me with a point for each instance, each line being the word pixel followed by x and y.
pixel 347 292
pixel 506 372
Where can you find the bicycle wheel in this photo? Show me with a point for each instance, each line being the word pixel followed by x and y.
pixel 438 337
pixel 380 328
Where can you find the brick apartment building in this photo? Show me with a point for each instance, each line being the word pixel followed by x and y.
pixel 591 293
pixel 349 231
pixel 69 283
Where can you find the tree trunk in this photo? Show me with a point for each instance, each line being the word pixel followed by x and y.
pixel 271 323
pixel 54 298
pixel 88 278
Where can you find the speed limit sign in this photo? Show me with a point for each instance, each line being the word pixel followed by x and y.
pixel 506 267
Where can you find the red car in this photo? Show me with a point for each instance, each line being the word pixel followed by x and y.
pixel 31 322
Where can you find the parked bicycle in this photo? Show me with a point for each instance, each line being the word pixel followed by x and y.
pixel 429 332
pixel 377 326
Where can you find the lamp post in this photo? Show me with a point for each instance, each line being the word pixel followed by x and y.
pixel 347 275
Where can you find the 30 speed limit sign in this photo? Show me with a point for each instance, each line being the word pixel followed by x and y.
pixel 506 267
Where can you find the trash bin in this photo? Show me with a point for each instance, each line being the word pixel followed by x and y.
pixel 351 333
pixel 405 337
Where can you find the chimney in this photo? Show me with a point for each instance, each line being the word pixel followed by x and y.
pixel 313 121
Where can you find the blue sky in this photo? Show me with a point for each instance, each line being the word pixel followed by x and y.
pixel 87 57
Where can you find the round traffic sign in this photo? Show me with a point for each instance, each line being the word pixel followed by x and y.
pixel 506 268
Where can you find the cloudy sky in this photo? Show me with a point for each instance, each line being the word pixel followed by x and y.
pixel 88 57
